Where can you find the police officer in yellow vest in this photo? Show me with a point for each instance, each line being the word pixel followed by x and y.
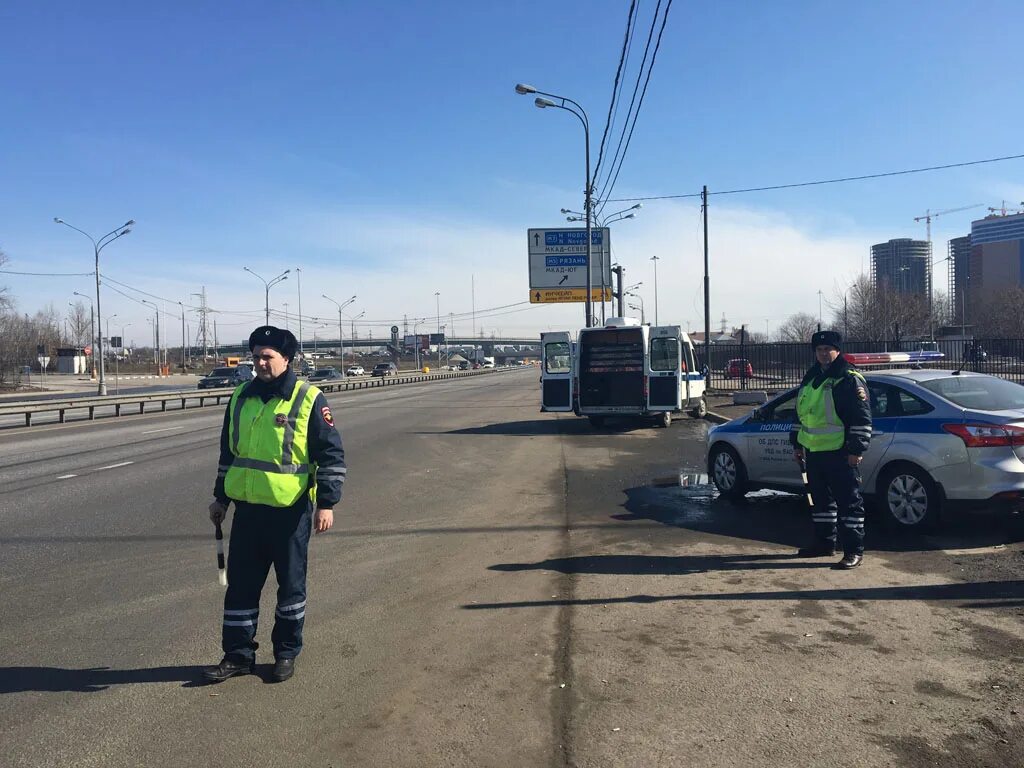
pixel 832 433
pixel 280 458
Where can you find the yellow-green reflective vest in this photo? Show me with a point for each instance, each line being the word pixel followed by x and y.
pixel 270 443
pixel 820 428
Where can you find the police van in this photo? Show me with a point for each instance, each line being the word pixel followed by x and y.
pixel 624 368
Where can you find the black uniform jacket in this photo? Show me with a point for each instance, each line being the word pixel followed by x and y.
pixel 325 449
pixel 853 405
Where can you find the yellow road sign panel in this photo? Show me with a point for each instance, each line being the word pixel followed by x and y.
pixel 560 295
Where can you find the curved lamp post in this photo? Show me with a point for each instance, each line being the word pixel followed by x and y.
pixel 543 103
pixel 341 338
pixel 97 246
pixel 267 286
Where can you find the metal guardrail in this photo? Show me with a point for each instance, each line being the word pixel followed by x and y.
pixel 206 396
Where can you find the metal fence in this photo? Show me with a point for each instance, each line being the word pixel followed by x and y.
pixel 780 365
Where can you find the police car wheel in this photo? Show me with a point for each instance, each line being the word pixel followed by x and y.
pixel 909 498
pixel 727 472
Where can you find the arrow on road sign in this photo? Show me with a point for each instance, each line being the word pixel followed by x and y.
pixel 537 295
pixel 536 238
pixel 564 278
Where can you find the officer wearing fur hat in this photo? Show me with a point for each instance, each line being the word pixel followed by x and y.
pixel 283 465
pixel 830 437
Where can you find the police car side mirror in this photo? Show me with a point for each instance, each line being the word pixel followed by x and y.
pixel 756 415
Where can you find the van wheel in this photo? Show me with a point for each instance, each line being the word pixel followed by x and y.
pixel 665 419
pixel 908 499
pixel 596 421
pixel 727 472
pixel 701 410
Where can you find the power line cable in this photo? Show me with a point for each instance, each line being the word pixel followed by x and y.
pixel 650 68
pixel 636 89
pixel 820 182
pixel 48 274
pixel 616 87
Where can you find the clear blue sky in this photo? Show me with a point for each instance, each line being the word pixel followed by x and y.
pixel 381 147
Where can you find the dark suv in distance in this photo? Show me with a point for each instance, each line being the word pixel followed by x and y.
pixel 384 369
pixel 226 377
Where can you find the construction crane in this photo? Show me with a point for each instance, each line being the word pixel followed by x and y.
pixel 1002 210
pixel 928 216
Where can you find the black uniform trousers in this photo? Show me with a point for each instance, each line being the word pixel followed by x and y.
pixel 262 536
pixel 835 491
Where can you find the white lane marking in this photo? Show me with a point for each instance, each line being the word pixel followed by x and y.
pixel 65 477
pixel 115 466
pixel 165 429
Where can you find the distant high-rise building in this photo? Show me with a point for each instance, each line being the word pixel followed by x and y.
pixel 959 274
pixel 997 258
pixel 902 266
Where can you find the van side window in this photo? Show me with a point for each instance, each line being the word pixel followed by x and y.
pixel 664 354
pixel 556 357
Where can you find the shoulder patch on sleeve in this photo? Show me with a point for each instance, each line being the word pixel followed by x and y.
pixel 326 413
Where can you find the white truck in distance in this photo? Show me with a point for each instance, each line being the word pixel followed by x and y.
pixel 622 369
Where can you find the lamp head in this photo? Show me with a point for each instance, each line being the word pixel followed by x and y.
pixel 541 103
pixel 522 89
pixel 57 220
pixel 638 206
pixel 130 223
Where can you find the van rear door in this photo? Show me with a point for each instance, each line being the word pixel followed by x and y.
pixel 692 376
pixel 556 371
pixel 663 369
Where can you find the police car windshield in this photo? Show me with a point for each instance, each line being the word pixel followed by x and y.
pixel 982 393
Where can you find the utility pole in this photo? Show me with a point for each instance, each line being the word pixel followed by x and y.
pixel 437 296
pixel 707 292
pixel 216 353
pixel 180 304
pixel 618 270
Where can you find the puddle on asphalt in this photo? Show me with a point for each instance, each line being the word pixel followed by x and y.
pixel 690 495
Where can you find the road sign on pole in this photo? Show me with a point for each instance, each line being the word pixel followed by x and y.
pixel 558 260
pixel 560 295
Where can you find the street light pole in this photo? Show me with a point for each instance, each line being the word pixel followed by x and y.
pixel 298 278
pixel 182 306
pixel 655 259
pixel 341 335
pixel 523 89
pixel 267 286
pixel 437 296
pixel 97 246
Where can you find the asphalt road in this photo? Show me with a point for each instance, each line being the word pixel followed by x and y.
pixel 502 588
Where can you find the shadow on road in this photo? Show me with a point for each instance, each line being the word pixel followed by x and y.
pixel 983 594
pixel 58 679
pixel 783 519
pixel 640 565
pixel 551 426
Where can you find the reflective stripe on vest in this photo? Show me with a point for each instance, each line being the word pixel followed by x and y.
pixel 270 445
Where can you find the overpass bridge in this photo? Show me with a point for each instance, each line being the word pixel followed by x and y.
pixel 515 347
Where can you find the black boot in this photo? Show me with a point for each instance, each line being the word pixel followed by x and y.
pixel 821 549
pixel 283 669
pixel 851 560
pixel 228 668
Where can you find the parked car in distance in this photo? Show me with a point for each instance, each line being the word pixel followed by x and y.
pixel 226 377
pixel 739 368
pixel 325 374
pixel 355 370
pixel 464 365
pixel 384 369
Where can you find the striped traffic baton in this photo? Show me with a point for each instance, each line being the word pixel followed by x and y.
pixel 807 487
pixel 222 572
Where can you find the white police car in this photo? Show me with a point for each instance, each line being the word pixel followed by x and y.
pixel 940 438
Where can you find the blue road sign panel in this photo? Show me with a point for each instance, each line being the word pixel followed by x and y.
pixel 565 261
pixel 573 237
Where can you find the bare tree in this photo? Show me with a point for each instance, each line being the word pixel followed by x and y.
pixel 1001 315
pixel 6 304
pixel 79 324
pixel 798 327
